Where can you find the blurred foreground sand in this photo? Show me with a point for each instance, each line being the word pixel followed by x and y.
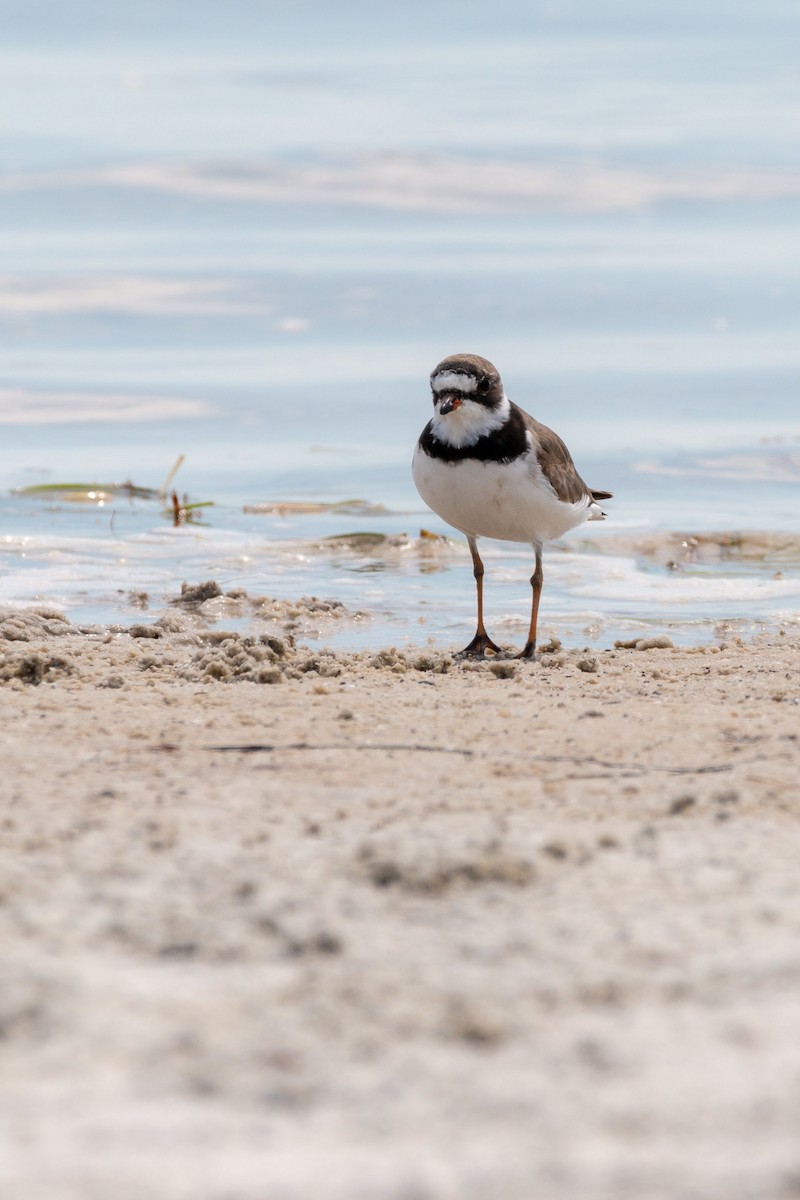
pixel 396 928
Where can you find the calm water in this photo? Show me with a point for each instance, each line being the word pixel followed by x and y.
pixel 246 233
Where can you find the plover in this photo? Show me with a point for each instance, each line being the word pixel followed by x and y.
pixel 490 470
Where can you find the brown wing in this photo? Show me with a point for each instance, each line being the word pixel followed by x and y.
pixel 556 463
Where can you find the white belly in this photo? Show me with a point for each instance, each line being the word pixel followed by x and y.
pixel 512 502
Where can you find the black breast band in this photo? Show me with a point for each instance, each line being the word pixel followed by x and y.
pixel 502 445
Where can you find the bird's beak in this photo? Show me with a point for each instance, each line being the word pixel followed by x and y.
pixel 449 402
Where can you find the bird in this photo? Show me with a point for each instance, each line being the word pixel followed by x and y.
pixel 489 469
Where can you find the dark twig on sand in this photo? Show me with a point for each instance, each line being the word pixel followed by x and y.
pixel 418 747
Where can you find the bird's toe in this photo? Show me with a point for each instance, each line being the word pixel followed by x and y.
pixel 478 647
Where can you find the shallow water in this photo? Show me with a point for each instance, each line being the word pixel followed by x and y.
pixel 249 241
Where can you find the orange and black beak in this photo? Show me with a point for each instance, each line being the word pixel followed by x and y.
pixel 449 402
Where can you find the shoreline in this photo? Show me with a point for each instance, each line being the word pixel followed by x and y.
pixel 397 926
pixel 393 587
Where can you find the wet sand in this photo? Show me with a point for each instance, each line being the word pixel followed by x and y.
pixel 289 924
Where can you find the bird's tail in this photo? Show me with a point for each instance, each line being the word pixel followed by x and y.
pixel 595 511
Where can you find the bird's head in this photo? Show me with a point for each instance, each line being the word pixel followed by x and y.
pixel 468 399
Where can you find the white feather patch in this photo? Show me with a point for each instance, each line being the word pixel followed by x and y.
pixel 454 381
pixel 463 426
pixel 509 501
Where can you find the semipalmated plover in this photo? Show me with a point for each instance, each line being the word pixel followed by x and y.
pixel 491 470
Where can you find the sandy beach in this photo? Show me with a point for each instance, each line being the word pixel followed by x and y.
pixel 282 923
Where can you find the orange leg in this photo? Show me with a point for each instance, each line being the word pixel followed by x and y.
pixel 481 642
pixel 537 579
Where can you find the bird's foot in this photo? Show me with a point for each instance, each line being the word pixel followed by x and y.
pixel 529 652
pixel 478 647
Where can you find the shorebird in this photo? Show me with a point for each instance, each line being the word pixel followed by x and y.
pixel 490 470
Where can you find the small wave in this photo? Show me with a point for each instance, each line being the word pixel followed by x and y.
pixel 25 406
pixel 425 183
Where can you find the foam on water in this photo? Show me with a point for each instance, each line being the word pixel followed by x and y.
pixel 410 589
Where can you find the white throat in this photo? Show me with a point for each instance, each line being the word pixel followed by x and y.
pixel 469 422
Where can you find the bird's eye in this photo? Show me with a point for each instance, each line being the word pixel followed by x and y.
pixel 484 384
